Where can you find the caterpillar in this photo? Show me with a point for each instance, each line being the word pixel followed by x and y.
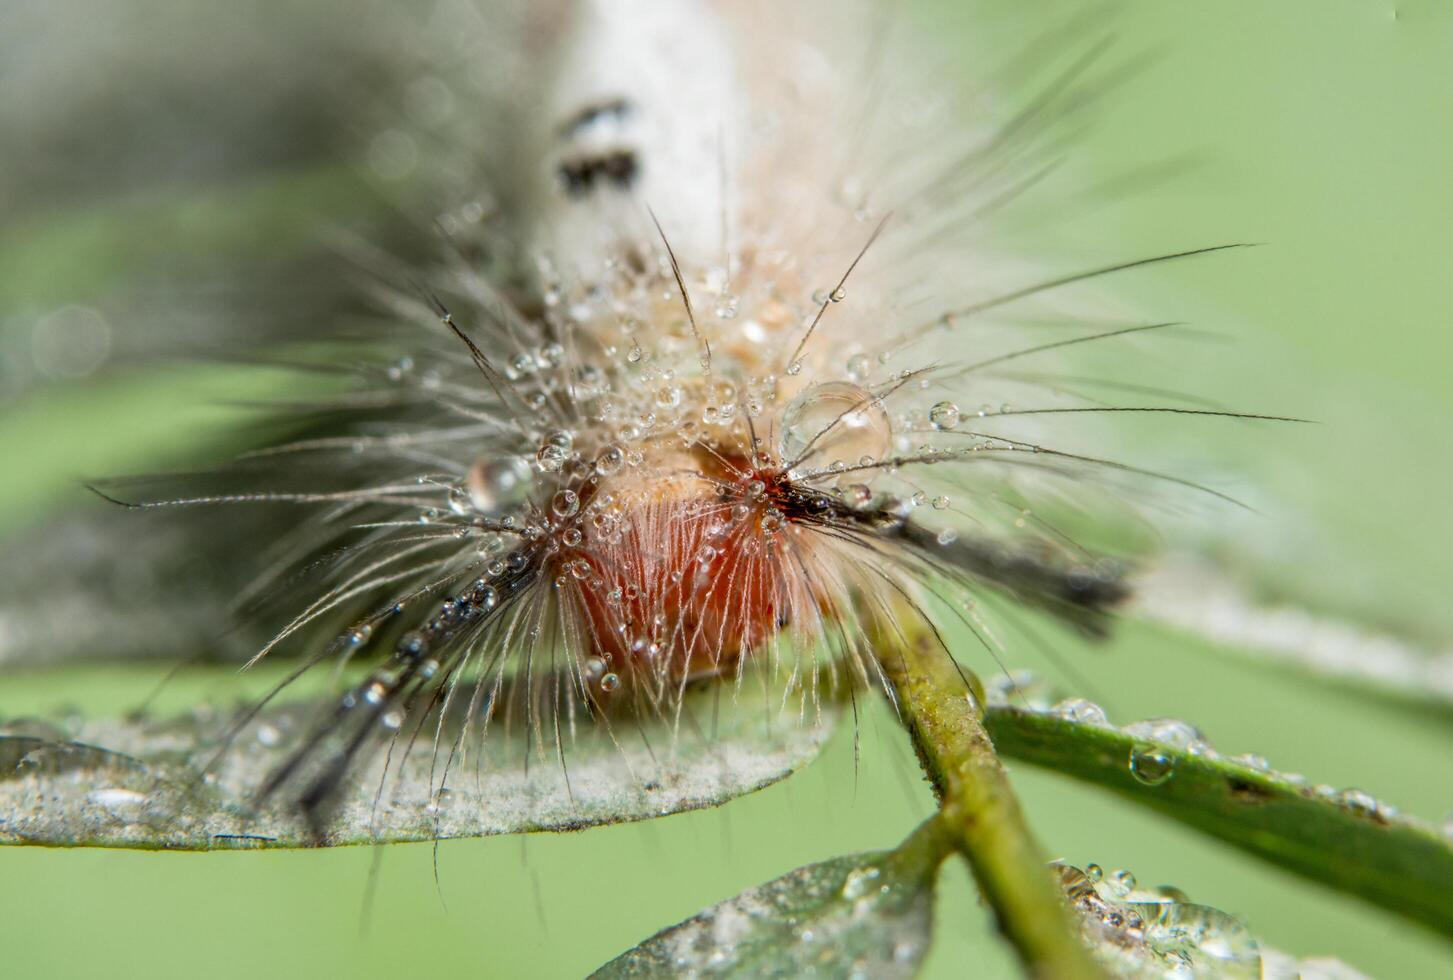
pixel 713 365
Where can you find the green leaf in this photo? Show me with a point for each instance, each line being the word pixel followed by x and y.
pixel 1345 839
pixel 1196 598
pixel 139 783
pixel 864 915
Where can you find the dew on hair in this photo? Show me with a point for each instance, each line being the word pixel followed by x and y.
pixel 268 735
pixel 412 645
pixel 550 458
pixel 493 484
pixel 400 369
pixel 944 415
pixel 838 420
pixel 565 503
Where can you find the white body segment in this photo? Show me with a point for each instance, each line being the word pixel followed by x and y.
pixel 640 116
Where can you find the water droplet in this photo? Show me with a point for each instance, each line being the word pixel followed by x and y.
pixel 944 415
pixel 1360 803
pixel 794 369
pixel 1081 711
pixel 771 521
pixel 860 881
pixel 1170 731
pixel 857 495
pixel 610 682
pixel 565 503
pixel 941 503
pixel 118 801
pixel 359 635
pixel 550 355
pixel 411 645
pixel 839 420
pixel 1151 764
pixel 859 367
pixel 634 354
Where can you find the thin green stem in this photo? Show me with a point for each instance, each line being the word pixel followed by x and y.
pixel 977 806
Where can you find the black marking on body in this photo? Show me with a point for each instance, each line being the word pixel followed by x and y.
pixel 579 176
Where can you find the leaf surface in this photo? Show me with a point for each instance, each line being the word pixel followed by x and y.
pixel 863 915
pixel 139 783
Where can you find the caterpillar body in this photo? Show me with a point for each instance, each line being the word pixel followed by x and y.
pixel 715 367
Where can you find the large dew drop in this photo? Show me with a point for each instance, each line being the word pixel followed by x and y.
pixel 1151 764
pixel 834 421
pixel 496 484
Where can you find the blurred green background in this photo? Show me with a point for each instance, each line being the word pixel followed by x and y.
pixel 1323 129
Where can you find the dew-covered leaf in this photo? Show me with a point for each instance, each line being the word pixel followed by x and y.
pixel 139 783
pixel 1194 597
pixel 1140 933
pixel 1136 933
pixel 864 915
pixel 1346 838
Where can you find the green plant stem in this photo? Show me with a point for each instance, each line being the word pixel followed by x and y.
pixel 978 808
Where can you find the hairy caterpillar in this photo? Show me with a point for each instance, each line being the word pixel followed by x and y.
pixel 714 369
